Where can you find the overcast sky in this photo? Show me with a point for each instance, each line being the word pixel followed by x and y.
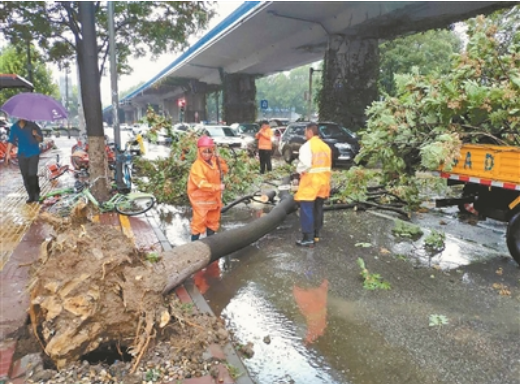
pixel 144 68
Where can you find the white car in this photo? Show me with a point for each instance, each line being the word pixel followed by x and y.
pixel 222 135
pixel 139 128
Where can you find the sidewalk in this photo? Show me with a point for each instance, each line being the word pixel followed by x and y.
pixel 20 239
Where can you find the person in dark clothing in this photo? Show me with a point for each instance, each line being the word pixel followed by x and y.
pixel 27 135
pixel 265 146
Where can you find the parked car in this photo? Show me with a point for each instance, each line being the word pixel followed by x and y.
pixel 161 136
pixel 278 122
pixel 139 128
pixel 343 143
pixel 277 136
pixel 251 144
pixel 182 127
pixel 222 135
pixel 249 129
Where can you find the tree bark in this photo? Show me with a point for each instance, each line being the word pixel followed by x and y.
pixel 181 262
pixel 91 97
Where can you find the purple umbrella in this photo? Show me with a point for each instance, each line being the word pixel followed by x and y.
pixel 34 107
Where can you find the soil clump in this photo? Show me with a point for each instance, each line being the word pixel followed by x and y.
pixel 92 291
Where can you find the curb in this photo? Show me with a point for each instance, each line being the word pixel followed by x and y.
pixel 189 293
pixel 13 372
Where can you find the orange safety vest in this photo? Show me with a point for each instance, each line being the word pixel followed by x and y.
pixel 204 183
pixel 264 136
pixel 312 303
pixel 316 182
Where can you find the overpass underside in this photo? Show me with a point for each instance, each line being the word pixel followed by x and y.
pixel 279 36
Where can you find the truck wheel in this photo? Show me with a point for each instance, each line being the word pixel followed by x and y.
pixel 513 237
pixel 288 156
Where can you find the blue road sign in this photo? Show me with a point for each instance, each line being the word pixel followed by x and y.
pixel 264 104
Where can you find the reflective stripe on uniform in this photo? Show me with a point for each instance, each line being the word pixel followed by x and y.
pixel 319 170
pixel 205 202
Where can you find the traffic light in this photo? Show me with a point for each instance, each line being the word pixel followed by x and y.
pixel 181 103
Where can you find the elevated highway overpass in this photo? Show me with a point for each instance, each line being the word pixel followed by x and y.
pixel 264 37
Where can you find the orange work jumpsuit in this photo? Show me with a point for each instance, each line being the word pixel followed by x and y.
pixel 316 182
pixel 264 136
pixel 204 192
pixel 313 305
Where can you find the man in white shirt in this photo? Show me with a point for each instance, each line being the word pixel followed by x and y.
pixel 314 168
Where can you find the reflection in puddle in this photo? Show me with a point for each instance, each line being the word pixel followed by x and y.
pixel 323 327
pixel 285 358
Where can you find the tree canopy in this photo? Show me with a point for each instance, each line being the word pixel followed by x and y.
pixel 13 60
pixel 432 115
pixel 140 26
pixel 428 51
pixel 286 90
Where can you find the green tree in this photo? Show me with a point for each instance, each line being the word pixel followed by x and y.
pixel 14 60
pixel 73 102
pixel 428 51
pixel 140 27
pixel 65 30
pixel 425 125
pixel 286 90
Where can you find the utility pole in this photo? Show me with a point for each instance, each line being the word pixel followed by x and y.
pixel 310 91
pixel 29 62
pixel 81 113
pixel 217 106
pixel 114 89
pixel 67 93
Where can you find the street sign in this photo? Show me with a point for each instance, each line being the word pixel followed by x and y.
pixel 264 104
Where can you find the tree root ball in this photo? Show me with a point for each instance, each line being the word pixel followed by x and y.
pixel 92 286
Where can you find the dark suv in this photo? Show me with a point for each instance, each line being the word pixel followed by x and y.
pixel 344 143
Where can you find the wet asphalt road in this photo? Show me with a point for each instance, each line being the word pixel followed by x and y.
pixel 311 320
pixel 324 327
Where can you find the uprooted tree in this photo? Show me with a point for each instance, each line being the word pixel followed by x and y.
pixel 91 288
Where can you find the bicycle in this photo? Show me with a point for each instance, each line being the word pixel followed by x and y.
pixel 130 204
pixel 55 170
pixel 124 157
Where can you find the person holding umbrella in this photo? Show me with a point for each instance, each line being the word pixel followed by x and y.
pixel 27 136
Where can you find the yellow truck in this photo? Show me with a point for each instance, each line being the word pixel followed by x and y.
pixel 491 177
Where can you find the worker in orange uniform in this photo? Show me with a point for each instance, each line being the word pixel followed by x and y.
pixel 205 188
pixel 264 136
pixel 312 303
pixel 314 168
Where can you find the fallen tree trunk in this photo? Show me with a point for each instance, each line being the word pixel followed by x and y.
pixel 181 262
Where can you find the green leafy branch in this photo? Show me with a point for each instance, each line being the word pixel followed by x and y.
pixel 435 241
pixel 438 320
pixel 372 281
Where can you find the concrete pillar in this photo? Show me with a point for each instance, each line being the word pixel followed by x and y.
pixel 239 93
pixel 170 108
pixel 349 80
pixel 195 109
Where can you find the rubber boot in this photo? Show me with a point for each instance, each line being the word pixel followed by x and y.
pixel 316 238
pixel 195 237
pixel 209 232
pixel 307 241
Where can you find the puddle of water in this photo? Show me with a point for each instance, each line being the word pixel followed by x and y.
pixel 324 328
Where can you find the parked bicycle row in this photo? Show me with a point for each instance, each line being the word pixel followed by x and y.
pixel 61 201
